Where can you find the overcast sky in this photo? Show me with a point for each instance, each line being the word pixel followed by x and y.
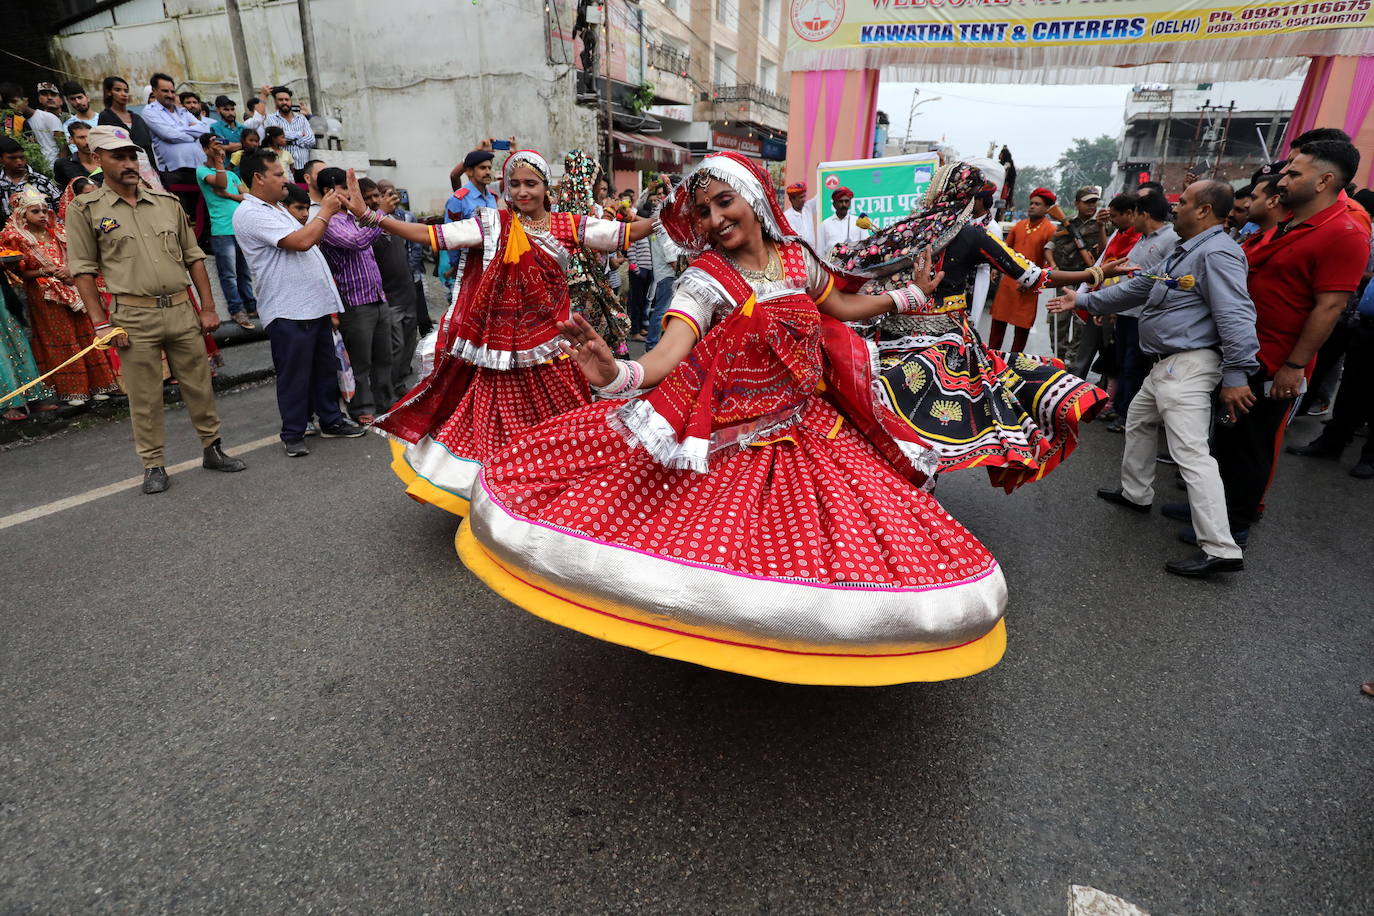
pixel 1036 122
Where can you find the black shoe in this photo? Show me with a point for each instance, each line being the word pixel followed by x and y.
pixel 1117 427
pixel 1200 566
pixel 1116 496
pixel 1179 512
pixel 155 480
pixel 1315 449
pixel 297 449
pixel 1240 535
pixel 1364 470
pixel 216 460
pixel 345 429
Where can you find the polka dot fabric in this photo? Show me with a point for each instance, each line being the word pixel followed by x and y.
pixel 816 503
pixel 497 407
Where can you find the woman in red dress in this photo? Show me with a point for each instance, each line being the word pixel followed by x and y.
pixel 58 323
pixel 754 511
pixel 498 369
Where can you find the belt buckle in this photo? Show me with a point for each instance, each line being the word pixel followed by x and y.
pixel 164 301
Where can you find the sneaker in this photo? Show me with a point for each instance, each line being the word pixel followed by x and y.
pixel 243 321
pixel 345 429
pixel 297 449
pixel 1165 458
pixel 1317 408
pixel 312 428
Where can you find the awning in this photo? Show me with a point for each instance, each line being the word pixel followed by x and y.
pixel 644 152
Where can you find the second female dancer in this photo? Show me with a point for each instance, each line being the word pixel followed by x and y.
pixel 1013 414
pixel 755 511
pixel 498 369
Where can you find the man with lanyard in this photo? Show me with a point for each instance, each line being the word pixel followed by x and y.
pixel 1197 329
pixel 842 228
pixel 1302 273
pixel 138 240
pixel 473 193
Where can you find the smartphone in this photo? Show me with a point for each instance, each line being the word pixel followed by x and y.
pixel 500 144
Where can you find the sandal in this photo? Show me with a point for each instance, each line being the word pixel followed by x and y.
pixel 14 415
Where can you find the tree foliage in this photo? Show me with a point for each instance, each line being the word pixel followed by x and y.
pixel 1086 162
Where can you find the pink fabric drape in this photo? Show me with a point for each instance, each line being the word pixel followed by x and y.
pixel 1309 101
pixel 1361 96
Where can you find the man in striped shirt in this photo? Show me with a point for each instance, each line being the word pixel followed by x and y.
pixel 366 320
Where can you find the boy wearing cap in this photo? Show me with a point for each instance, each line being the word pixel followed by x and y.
pixel 138 240
pixel 46 126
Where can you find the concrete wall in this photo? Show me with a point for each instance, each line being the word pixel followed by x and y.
pixel 411 80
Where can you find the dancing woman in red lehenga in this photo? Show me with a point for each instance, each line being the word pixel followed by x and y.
pixel 756 511
pixel 498 369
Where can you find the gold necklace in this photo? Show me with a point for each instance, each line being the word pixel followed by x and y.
pixel 538 225
pixel 771 273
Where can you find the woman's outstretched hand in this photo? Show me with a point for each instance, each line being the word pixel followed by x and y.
pixel 584 345
pixel 1118 267
pixel 926 280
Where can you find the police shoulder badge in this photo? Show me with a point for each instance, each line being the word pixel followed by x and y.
pixel 108 224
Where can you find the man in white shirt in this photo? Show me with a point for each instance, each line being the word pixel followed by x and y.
pixel 842 228
pixel 982 278
pixel 297 301
pixel 176 140
pixel 796 213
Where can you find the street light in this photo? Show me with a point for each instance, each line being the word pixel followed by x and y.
pixel 912 114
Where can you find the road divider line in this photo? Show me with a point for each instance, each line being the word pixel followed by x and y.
pixel 71 502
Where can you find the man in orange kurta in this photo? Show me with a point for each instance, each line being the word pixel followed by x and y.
pixel 1028 238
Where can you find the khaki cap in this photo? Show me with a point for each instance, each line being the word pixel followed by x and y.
pixel 1089 192
pixel 110 138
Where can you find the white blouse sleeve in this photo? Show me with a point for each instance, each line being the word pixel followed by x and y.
pixel 818 276
pixel 696 300
pixel 605 234
pixel 463 233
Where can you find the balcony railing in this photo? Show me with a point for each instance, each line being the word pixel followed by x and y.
pixel 666 57
pixel 748 92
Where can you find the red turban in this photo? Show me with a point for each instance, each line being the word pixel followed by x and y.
pixel 797 187
pixel 1044 194
pixel 841 192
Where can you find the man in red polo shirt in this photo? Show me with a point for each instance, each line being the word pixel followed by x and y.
pixel 1301 274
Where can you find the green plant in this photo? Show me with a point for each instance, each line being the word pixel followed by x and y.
pixel 641 98
pixel 37 161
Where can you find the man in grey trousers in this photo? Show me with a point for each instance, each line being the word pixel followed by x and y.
pixel 1197 331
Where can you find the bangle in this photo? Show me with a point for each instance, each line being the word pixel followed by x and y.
pixel 1292 365
pixel 1097 275
pixel 909 300
pixel 629 376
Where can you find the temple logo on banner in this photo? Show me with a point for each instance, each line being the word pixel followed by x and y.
pixel 816 20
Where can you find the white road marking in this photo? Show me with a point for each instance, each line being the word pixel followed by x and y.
pixel 71 502
pixel 1089 901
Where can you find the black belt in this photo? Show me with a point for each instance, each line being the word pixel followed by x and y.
pixel 1153 358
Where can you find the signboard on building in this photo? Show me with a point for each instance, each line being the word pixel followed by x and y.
pixel 886 189
pixel 749 146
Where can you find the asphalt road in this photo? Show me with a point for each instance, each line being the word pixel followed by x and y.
pixel 279 691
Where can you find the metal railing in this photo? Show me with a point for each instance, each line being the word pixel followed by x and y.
pixel 748 92
pixel 666 57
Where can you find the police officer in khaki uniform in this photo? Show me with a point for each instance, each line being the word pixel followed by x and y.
pixel 140 242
